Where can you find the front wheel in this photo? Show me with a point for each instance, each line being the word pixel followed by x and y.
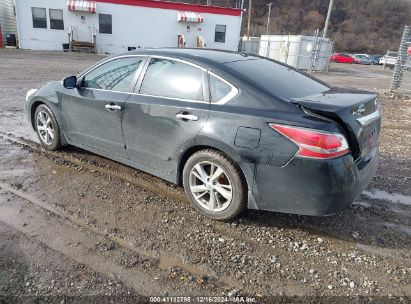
pixel 214 185
pixel 47 128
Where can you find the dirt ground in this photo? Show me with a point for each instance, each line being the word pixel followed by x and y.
pixel 79 228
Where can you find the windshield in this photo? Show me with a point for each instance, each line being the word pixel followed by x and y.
pixel 277 79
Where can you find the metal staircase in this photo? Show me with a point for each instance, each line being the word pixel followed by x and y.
pixel 82 46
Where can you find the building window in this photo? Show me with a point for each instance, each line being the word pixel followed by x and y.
pixel 104 24
pixel 220 33
pixel 56 19
pixel 39 17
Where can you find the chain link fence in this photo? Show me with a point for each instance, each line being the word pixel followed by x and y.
pixel 401 79
pixel 310 53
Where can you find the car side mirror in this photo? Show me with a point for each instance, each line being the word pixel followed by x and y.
pixel 70 82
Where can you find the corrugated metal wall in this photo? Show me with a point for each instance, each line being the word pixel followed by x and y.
pixel 7 19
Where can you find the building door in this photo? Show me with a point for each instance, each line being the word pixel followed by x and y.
pixel 82 32
pixel 190 35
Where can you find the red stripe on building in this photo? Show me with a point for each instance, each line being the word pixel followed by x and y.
pixel 178 6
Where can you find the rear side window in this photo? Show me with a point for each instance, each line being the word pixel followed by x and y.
pixel 173 79
pixel 277 79
pixel 218 89
pixel 115 75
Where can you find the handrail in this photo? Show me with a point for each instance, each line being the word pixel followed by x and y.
pixel 70 37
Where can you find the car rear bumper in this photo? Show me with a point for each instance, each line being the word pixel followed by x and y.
pixel 313 187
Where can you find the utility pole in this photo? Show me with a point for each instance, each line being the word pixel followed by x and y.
pixel 327 21
pixel 268 18
pixel 250 4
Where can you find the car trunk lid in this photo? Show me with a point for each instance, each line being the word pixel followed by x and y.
pixel 357 112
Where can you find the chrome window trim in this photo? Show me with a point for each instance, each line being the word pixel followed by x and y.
pixel 148 95
pixel 178 60
pixel 370 118
pixel 234 91
pixel 142 70
pixel 104 90
pixel 203 70
pixel 172 98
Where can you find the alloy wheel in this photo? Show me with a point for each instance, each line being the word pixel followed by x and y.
pixel 45 127
pixel 210 186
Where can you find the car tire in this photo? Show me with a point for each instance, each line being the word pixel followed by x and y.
pixel 215 185
pixel 47 128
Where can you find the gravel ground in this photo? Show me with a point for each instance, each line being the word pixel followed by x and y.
pixel 153 243
pixel 29 273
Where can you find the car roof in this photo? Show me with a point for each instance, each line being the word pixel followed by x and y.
pixel 196 55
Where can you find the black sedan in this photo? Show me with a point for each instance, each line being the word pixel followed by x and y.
pixel 237 130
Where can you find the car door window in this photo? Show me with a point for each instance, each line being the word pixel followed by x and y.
pixel 173 79
pixel 218 89
pixel 115 75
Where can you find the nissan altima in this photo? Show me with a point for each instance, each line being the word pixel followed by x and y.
pixel 238 131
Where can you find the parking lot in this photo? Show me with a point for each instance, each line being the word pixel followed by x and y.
pixel 74 224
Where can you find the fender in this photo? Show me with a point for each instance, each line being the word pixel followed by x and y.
pixel 51 99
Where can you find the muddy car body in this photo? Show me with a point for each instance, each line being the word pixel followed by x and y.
pixel 237 130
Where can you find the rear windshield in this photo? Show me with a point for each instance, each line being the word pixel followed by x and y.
pixel 277 79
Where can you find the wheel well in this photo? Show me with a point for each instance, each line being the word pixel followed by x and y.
pixel 187 154
pixel 33 112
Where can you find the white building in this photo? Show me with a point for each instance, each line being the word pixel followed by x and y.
pixel 115 26
pixel 301 52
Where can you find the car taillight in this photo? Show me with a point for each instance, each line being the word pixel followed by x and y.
pixel 313 143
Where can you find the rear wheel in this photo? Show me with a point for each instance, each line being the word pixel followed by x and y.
pixel 47 128
pixel 214 185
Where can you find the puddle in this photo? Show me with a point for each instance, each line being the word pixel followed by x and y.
pixel 392 197
pixel 15 123
pixel 17 161
pixel 165 261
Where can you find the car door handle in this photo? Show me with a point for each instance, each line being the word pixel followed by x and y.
pixel 185 116
pixel 112 107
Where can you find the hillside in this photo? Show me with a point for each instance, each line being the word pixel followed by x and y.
pixel 359 26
